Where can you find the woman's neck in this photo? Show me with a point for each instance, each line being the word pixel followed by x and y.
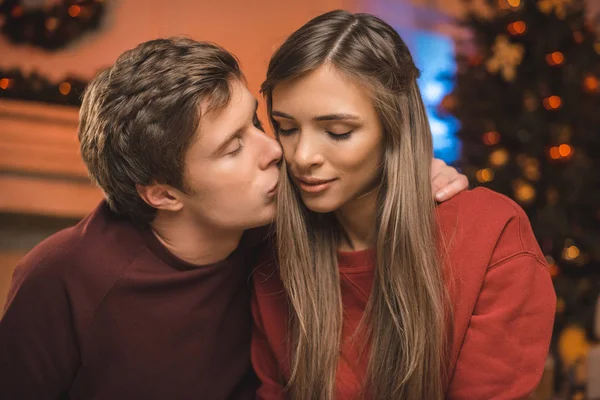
pixel 357 220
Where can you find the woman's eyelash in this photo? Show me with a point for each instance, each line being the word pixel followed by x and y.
pixel 340 136
pixel 287 132
pixel 334 136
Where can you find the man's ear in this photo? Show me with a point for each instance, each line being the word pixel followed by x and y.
pixel 161 197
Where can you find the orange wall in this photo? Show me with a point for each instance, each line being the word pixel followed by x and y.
pixel 249 29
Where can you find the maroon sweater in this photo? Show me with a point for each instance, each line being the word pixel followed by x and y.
pixel 103 311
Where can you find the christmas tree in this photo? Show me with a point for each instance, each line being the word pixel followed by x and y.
pixel 527 96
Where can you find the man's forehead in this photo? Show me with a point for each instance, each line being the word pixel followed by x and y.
pixel 234 114
pixel 218 123
pixel 239 101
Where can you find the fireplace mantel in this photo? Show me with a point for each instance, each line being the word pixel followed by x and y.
pixel 41 171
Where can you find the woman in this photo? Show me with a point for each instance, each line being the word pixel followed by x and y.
pixel 374 292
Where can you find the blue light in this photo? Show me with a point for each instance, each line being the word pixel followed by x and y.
pixel 433 92
pixel 434 56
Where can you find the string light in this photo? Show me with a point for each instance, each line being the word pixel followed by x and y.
pixel 51 24
pixel 448 102
pixel 524 192
pixel 514 3
pixel 531 169
pixel 579 395
pixel 64 88
pixel 552 103
pixel 44 25
pixel 555 58
pixel 565 150
pixel 485 175
pixel 561 152
pixel 491 138
pixel 573 346
pixel 74 11
pixel 552 266
pixel 4 83
pixel 570 253
pixel 499 157
pixel 560 305
pixel 578 37
pixel 16 12
pixel 530 103
pixel 517 28
pixel 503 4
pixel 590 83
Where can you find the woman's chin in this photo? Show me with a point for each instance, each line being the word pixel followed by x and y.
pixel 319 205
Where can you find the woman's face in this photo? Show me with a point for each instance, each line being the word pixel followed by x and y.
pixel 331 137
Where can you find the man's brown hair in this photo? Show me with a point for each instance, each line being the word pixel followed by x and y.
pixel 138 117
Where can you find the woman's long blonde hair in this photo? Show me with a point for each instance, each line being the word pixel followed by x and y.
pixel 405 319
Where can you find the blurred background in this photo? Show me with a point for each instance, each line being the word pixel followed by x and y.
pixel 512 88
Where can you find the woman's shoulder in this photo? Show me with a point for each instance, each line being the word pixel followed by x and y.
pixel 265 273
pixel 482 204
pixel 481 210
pixel 488 224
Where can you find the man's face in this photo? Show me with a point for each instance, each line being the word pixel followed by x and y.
pixel 232 167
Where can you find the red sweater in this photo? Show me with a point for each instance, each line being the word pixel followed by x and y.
pixel 103 311
pixel 503 302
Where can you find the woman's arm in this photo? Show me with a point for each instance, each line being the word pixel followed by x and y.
pixel 508 336
pixel 263 360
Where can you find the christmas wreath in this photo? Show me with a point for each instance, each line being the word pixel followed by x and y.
pixel 49 24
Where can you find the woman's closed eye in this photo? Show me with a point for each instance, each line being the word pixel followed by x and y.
pixel 332 135
pixel 340 136
pixel 286 132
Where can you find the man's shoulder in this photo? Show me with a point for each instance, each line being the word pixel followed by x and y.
pixel 51 257
pixel 97 245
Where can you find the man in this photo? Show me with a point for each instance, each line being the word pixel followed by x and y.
pixel 148 297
